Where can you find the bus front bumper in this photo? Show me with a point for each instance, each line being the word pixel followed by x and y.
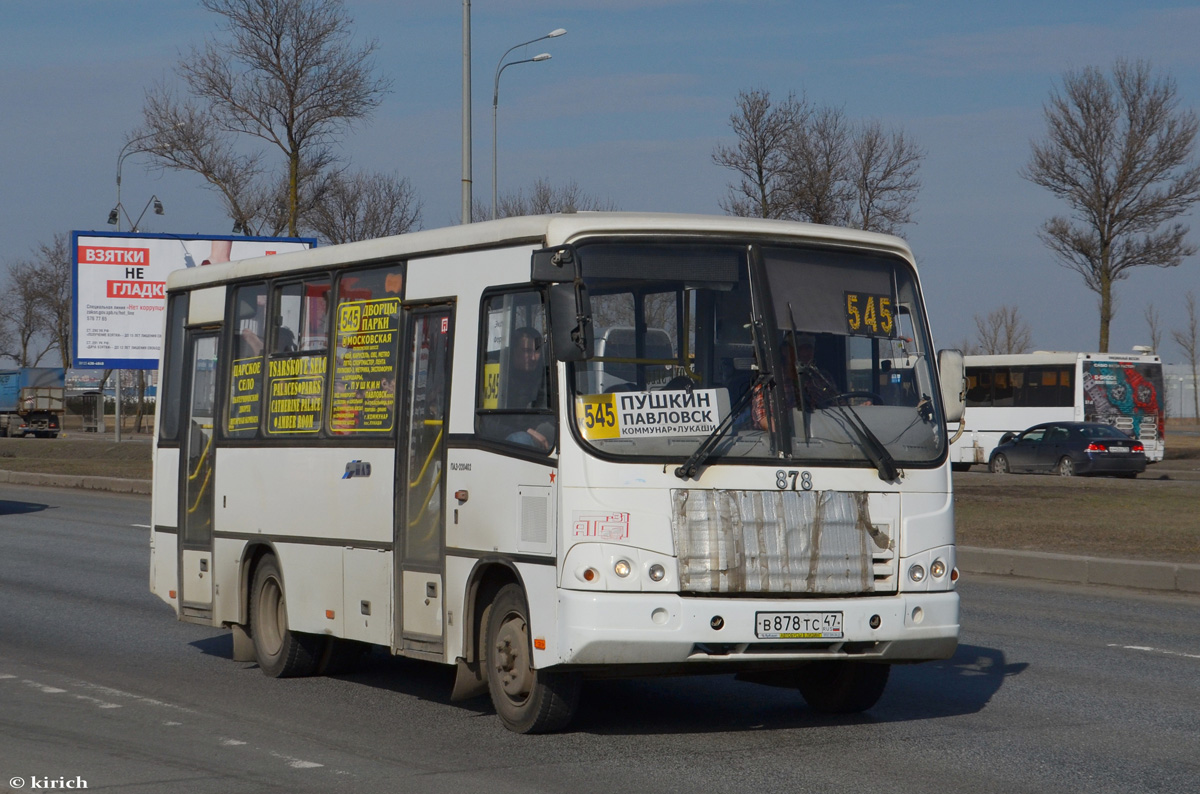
pixel 646 628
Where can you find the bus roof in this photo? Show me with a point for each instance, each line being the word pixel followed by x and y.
pixel 539 230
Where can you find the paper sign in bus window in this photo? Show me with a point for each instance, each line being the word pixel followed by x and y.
pixel 364 376
pixel 649 413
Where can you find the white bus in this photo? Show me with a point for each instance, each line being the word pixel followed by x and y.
pixel 1011 393
pixel 405 443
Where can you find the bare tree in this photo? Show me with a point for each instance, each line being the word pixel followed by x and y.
pixel 809 163
pixel 760 156
pixel 820 174
pixel 6 337
pixel 968 348
pixel 1188 338
pixel 24 315
pixel 52 270
pixel 286 73
pixel 1154 325
pixel 365 206
pixel 885 177
pixel 544 198
pixel 1119 152
pixel 1002 332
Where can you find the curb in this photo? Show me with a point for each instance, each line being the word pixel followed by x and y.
pixel 89 483
pixel 1164 576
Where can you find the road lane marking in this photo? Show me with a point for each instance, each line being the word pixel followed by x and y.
pixel 231 743
pixel 1148 649
pixel 296 763
pixel 45 688
pixel 140 526
pixel 104 704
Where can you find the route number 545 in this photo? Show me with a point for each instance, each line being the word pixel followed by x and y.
pixel 869 314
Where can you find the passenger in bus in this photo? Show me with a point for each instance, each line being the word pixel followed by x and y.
pixel 525 388
pixel 250 344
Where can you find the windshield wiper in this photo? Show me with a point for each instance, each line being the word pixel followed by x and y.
pixel 691 466
pixel 875 450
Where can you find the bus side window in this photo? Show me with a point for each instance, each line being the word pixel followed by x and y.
pixel 177 311
pixel 513 402
pixel 366 349
pixel 301 317
pixel 248 329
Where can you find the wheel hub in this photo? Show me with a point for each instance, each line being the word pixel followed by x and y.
pixel 511 663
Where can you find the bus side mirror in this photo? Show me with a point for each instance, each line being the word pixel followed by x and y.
pixel 554 265
pixel 952 376
pixel 571 321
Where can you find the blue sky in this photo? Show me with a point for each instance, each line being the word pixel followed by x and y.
pixel 633 102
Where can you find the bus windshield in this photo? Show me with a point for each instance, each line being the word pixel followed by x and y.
pixel 783 352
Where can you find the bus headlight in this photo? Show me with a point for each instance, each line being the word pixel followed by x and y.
pixel 622 568
pixel 656 572
pixel 917 573
pixel 938 569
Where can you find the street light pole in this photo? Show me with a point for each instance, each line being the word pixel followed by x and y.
pixel 495 103
pixel 466 114
pixel 120 162
pixel 118 210
pixel 500 67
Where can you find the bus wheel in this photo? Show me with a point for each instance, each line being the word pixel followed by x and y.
pixel 834 687
pixel 999 465
pixel 1066 467
pixel 280 652
pixel 526 700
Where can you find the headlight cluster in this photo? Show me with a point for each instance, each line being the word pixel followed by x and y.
pixel 937 569
pixel 618 568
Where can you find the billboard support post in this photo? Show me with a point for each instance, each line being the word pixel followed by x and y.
pixel 117 430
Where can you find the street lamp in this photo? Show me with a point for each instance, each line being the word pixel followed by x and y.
pixel 500 67
pixel 114 217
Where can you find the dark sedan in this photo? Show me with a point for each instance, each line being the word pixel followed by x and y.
pixel 1069 448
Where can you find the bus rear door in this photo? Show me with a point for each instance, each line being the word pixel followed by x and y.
pixel 196 508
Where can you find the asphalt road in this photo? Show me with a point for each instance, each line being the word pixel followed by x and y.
pixel 1054 688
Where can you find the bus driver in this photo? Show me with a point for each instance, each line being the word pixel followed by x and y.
pixel 525 388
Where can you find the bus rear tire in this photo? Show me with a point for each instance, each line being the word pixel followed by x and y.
pixel 526 700
pixel 836 687
pixel 280 652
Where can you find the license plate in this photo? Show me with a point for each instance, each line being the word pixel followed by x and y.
pixel 798 625
pixel 1118 449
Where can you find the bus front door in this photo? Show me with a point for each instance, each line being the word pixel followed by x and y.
pixel 196 507
pixel 420 492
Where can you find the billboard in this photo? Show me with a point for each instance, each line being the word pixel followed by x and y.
pixel 118 288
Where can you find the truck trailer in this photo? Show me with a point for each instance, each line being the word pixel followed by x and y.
pixel 31 401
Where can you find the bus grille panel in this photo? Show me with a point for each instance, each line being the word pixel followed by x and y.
pixel 795 542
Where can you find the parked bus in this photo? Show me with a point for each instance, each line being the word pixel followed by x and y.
pixel 429 443
pixel 1011 393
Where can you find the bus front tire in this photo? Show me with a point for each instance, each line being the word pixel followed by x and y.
pixel 526 700
pixel 836 687
pixel 280 652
